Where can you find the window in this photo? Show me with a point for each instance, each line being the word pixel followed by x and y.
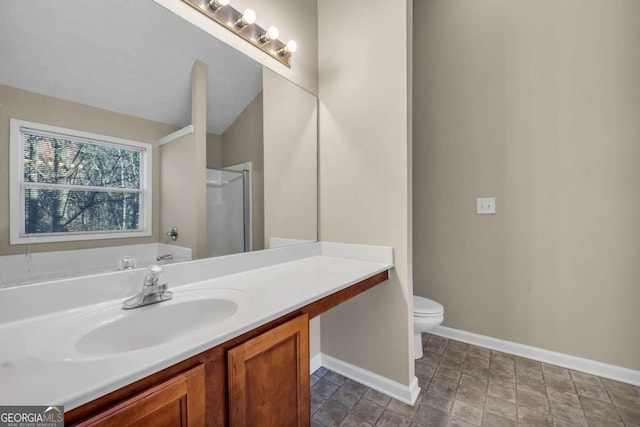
pixel 72 185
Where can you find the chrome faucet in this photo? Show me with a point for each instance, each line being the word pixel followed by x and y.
pixel 152 292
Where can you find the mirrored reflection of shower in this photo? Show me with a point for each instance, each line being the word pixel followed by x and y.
pixel 228 211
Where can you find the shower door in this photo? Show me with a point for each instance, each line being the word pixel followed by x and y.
pixel 228 212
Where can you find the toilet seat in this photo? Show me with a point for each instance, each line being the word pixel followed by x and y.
pixel 424 307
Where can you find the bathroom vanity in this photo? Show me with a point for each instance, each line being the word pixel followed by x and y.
pixel 251 367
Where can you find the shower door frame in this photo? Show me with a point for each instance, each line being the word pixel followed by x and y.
pixel 246 170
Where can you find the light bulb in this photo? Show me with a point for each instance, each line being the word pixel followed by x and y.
pixel 249 16
pixel 292 46
pixel 271 34
pixel 289 48
pixel 217 4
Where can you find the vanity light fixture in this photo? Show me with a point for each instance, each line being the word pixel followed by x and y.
pixel 243 24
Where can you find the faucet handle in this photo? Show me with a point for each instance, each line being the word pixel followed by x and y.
pixel 153 274
pixel 127 263
pixel 173 234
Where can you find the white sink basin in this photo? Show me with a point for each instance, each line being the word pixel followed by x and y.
pixel 112 331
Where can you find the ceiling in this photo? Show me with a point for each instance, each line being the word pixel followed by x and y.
pixel 129 56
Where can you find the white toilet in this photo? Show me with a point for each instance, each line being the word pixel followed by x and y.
pixel 427 314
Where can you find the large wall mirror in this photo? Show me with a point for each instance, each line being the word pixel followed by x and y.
pixel 228 153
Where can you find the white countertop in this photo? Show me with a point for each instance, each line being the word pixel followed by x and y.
pixel 279 281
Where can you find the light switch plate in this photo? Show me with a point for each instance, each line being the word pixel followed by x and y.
pixel 486 206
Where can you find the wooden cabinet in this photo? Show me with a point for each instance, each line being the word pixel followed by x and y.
pixel 179 401
pixel 268 378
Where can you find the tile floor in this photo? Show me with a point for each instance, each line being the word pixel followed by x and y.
pixel 464 385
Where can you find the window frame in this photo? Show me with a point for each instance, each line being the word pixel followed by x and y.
pixel 17 184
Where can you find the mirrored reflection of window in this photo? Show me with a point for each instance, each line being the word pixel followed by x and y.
pixel 71 185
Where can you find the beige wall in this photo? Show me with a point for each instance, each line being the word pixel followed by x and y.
pixel 243 141
pixel 538 104
pixel 30 106
pixel 214 151
pixel 178 192
pixel 183 174
pixel 290 160
pixel 364 167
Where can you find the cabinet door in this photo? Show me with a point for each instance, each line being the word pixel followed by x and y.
pixel 179 401
pixel 269 378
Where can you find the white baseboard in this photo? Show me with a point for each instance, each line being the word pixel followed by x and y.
pixel 315 362
pixel 406 394
pixel 593 367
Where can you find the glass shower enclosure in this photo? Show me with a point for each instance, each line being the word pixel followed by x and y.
pixel 228 211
